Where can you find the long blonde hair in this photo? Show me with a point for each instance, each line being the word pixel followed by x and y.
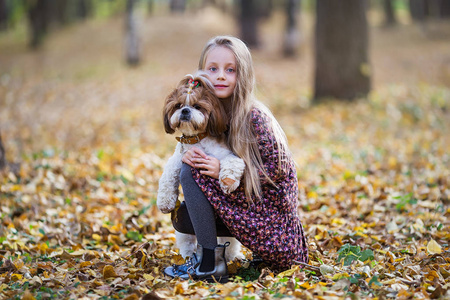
pixel 241 138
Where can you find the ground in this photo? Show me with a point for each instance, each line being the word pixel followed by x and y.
pixel 85 140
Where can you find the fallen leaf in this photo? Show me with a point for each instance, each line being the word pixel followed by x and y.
pixel 433 247
pixel 109 272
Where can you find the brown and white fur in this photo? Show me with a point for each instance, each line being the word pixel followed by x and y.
pixel 195 110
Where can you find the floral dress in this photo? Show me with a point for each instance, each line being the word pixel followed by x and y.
pixel 270 227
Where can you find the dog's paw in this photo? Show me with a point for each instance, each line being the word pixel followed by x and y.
pixel 166 204
pixel 228 184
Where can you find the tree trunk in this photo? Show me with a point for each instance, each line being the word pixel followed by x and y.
pixel 83 9
pixel 38 21
pixel 2 154
pixel 151 7
pixel 418 10
pixel 265 8
pixel 249 23
pixel 3 15
pixel 445 8
pixel 131 36
pixel 177 6
pixel 342 69
pixel 389 13
pixel 292 34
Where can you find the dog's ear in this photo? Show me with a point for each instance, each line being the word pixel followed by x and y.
pixel 168 110
pixel 217 123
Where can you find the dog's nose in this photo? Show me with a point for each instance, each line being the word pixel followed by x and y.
pixel 185 114
pixel 185 111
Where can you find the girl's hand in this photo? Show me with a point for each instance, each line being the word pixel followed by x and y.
pixel 208 165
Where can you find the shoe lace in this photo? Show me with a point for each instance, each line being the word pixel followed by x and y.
pixel 189 265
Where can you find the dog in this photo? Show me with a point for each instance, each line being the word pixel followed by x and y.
pixel 193 109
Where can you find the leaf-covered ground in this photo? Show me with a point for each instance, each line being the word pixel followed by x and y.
pixel 86 145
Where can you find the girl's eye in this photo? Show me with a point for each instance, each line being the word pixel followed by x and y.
pixel 213 69
pixel 230 70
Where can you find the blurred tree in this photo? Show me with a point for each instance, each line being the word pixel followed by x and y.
pixel 445 8
pixel 151 7
pixel 341 50
pixel 177 6
pixel 418 10
pixel 38 21
pixel 3 15
pixel 389 13
pixel 265 8
pixel 292 34
pixel 2 154
pixel 131 35
pixel 248 19
pixel 84 9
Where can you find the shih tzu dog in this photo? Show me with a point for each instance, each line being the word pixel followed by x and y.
pixel 194 110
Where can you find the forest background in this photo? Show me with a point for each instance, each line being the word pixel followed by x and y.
pixel 83 147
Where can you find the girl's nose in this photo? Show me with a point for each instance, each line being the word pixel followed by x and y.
pixel 221 74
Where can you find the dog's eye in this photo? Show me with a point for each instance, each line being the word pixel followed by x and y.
pixel 178 106
pixel 197 106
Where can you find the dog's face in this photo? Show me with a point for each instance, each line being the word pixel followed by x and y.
pixel 192 108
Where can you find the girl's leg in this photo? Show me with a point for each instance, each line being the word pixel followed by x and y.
pixel 202 217
pixel 181 221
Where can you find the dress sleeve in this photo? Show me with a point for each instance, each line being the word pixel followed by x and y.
pixel 267 147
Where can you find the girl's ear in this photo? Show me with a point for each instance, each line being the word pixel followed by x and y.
pixel 168 111
pixel 217 123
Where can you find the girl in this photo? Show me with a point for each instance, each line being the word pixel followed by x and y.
pixel 262 212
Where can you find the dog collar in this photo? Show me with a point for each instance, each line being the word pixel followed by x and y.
pixel 193 139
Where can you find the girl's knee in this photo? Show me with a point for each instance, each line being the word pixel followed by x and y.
pixel 181 220
pixel 186 175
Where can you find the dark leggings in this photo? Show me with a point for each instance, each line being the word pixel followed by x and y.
pixel 196 215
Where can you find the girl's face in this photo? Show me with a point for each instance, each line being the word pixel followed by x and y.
pixel 220 65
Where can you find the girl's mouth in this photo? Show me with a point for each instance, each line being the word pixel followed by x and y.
pixel 219 86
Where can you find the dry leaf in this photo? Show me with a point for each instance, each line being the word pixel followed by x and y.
pixel 433 247
pixel 109 272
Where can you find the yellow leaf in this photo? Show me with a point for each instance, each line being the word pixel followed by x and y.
pixel 108 272
pixel 177 259
pixel 43 248
pixel 179 290
pixel 127 175
pixel 148 277
pixel 19 264
pixel 392 161
pixel 85 264
pixel 340 276
pixel 338 221
pixel 288 273
pixel 306 285
pixel 28 296
pixel 143 260
pixel 16 277
pixel 312 194
pixel 132 297
pixel 433 247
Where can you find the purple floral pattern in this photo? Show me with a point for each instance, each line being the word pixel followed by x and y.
pixel 269 227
